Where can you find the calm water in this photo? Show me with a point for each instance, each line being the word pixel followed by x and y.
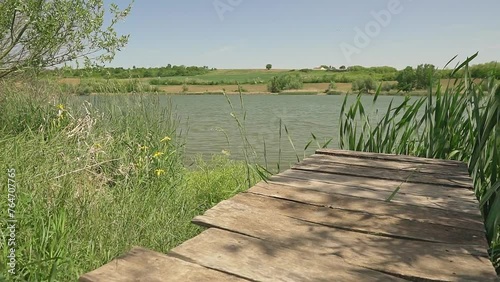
pixel 212 129
pixel 208 127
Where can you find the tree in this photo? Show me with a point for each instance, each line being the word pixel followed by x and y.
pixel 424 76
pixel 269 66
pixel 406 79
pixel 35 34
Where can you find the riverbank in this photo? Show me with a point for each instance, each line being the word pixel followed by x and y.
pixel 88 181
pixel 96 87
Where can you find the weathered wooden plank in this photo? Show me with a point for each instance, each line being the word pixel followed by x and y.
pixel 409 258
pixel 431 169
pixel 413 193
pixel 369 202
pixel 142 265
pixel 381 173
pixel 386 225
pixel 261 260
pixel 392 157
pixel 421 189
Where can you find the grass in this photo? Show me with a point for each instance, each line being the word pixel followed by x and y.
pixel 459 122
pixel 95 179
pixel 89 86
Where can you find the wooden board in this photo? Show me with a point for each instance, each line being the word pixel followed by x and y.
pixel 261 260
pixel 410 193
pixel 365 222
pixel 406 258
pixel 142 265
pixel 365 202
pixel 382 173
pixel 357 181
pixel 392 157
pixel 431 169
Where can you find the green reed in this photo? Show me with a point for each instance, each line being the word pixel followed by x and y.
pixel 460 122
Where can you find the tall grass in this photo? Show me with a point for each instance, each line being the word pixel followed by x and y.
pixel 89 86
pixel 461 122
pixel 95 179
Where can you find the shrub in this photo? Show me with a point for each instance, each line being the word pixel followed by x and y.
pixel 386 87
pixel 284 82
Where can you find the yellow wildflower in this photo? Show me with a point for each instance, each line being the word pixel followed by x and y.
pixel 97 146
pixel 159 172
pixel 143 148
pixel 60 107
pixel 157 154
pixel 165 139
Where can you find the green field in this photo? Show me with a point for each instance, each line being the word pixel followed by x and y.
pixel 249 76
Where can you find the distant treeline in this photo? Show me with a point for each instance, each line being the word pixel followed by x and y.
pixel 383 73
pixel 134 72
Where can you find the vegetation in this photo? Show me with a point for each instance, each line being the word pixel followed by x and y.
pixel 364 85
pixel 89 86
pixel 461 123
pixel 269 66
pixel 95 179
pixel 39 34
pixel 109 73
pixel 284 82
pixel 406 79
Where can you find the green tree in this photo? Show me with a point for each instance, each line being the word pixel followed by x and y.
pixel 35 34
pixel 406 79
pixel 424 76
pixel 269 66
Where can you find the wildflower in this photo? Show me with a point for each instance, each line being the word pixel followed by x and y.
pixel 165 139
pixel 226 152
pixel 157 154
pixel 143 148
pixel 159 172
pixel 97 146
pixel 60 107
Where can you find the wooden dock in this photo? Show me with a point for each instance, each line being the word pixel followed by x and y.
pixel 335 216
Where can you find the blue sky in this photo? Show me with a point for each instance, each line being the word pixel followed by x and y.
pixel 305 34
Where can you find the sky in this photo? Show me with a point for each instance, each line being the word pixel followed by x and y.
pixel 294 34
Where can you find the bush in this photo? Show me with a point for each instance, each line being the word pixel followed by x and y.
pixel 386 87
pixel 284 82
pixel 364 85
pixel 331 87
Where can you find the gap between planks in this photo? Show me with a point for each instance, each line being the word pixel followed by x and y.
pixel 450 262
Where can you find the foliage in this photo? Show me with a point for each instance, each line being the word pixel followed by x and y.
pixel 425 75
pixel 269 66
pixel 109 73
pixel 459 123
pixel 406 79
pixel 284 82
pixel 365 85
pixel 96 178
pixel 490 69
pixel 88 86
pixel 37 34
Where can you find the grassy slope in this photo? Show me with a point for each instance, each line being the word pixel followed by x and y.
pixel 92 185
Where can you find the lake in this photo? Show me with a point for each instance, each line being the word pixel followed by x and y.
pixel 208 128
pixel 212 129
